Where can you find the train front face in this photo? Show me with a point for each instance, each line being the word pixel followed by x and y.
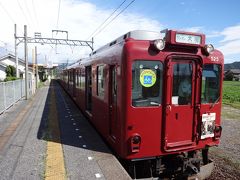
pixel 173 99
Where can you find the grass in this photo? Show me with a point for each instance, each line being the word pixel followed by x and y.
pixel 231 93
pixel 40 84
pixel 225 157
pixel 229 115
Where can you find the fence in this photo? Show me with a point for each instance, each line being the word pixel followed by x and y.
pixel 11 92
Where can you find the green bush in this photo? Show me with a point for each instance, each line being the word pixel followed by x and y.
pixel 10 71
pixel 10 78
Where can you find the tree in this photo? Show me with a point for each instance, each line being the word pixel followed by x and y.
pixel 10 71
pixel 229 76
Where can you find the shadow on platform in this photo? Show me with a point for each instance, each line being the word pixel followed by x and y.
pixel 75 130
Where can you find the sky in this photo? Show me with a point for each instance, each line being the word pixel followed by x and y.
pixel 83 19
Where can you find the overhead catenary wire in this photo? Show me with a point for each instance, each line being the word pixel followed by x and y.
pixel 113 18
pixel 35 13
pixel 8 14
pixel 10 17
pixel 106 20
pixel 59 7
pixel 23 12
pixel 29 14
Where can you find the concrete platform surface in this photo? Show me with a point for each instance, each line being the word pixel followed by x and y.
pixel 47 137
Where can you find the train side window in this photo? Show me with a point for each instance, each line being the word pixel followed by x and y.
pixel 211 75
pixel 82 79
pixel 79 80
pixel 100 81
pixel 147 77
pixel 76 78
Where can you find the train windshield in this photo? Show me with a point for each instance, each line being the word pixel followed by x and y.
pixel 211 83
pixel 147 79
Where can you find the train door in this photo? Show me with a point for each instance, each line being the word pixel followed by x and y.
pixel 89 88
pixel 179 112
pixel 112 102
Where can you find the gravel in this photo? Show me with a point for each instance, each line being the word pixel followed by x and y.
pixel 227 155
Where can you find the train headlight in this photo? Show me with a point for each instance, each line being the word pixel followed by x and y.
pixel 209 48
pixel 135 143
pixel 136 139
pixel 159 44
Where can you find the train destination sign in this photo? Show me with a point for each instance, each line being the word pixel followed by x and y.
pixel 147 78
pixel 188 39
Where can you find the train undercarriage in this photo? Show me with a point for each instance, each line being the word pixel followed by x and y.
pixel 189 165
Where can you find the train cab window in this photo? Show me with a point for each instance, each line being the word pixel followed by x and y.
pixel 182 83
pixel 100 81
pixel 210 83
pixel 147 79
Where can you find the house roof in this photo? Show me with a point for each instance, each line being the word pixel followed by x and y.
pixel 11 56
pixel 235 71
pixel 3 65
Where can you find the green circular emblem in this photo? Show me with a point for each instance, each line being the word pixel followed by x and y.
pixel 147 78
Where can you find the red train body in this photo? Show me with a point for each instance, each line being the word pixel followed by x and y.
pixel 133 91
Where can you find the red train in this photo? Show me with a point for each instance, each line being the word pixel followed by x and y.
pixel 154 96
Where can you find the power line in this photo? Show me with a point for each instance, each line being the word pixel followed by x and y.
pixel 114 18
pixel 23 12
pixel 59 5
pixel 106 19
pixel 7 13
pixel 35 14
pixel 29 13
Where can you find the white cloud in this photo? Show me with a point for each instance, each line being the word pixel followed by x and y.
pixel 231 33
pixel 79 18
pixel 231 48
pixel 213 34
pixel 230 45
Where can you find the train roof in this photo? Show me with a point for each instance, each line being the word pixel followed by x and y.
pixel 136 34
pixel 143 35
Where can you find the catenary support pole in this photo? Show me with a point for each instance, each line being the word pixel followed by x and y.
pixel 26 61
pixel 33 68
pixel 16 53
pixel 36 67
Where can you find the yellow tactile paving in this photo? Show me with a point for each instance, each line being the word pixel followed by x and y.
pixel 55 162
pixel 54 168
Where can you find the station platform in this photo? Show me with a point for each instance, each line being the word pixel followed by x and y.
pixel 47 137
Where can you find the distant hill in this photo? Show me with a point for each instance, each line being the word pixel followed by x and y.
pixel 234 65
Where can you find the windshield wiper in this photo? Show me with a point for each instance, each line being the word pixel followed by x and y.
pixel 213 104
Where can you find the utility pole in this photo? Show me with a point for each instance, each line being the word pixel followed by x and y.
pixel 36 67
pixel 26 61
pixel 16 55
